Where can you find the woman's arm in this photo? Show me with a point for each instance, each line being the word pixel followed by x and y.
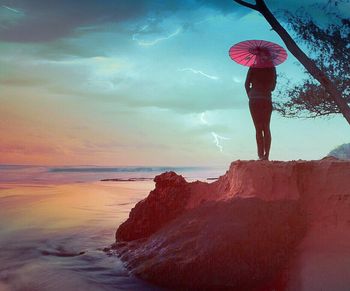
pixel 274 79
pixel 248 81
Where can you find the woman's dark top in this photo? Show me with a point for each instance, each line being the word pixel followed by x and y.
pixel 260 83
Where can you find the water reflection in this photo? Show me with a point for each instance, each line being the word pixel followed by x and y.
pixel 52 236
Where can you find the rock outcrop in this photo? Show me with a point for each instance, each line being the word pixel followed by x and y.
pixel 341 152
pixel 261 226
pixel 167 201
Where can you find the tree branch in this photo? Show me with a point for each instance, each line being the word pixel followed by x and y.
pixel 306 61
pixel 246 4
pixel 310 65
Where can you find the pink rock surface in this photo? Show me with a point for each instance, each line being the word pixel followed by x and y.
pixel 165 233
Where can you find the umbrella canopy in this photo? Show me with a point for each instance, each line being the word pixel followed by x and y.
pixel 258 53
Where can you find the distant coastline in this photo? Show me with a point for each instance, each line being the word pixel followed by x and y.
pixel 131 169
pixel 31 174
pixel 126 180
pixel 141 179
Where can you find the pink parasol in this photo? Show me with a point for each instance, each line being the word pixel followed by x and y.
pixel 258 53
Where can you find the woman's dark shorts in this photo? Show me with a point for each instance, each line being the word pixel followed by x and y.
pixel 261 110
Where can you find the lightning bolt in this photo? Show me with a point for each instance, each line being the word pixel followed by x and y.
pixel 143 28
pixel 217 139
pixel 11 9
pixel 202 117
pixel 153 42
pixel 200 73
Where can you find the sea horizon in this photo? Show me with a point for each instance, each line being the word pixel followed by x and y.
pixel 47 174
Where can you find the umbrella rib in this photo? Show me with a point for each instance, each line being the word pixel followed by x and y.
pixel 242 54
pixel 279 57
pixel 252 43
pixel 245 55
pixel 240 60
pixel 269 46
pixel 247 62
pixel 240 51
pixel 243 47
pixel 282 57
pixel 247 42
pixel 244 61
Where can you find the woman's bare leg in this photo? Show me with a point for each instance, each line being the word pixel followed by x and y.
pixel 267 141
pixel 260 141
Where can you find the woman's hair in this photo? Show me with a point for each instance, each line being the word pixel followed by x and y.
pixel 263 58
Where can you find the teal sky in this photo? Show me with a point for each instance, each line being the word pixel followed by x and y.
pixel 140 83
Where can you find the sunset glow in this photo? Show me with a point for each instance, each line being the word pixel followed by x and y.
pixel 95 83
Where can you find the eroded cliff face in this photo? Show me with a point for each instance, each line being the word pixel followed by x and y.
pixel 262 225
pixel 166 202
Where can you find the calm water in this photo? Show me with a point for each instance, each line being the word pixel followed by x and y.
pixel 54 223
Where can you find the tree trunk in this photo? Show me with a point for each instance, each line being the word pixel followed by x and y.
pixel 309 64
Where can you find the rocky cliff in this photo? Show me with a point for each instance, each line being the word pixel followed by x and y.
pixel 261 226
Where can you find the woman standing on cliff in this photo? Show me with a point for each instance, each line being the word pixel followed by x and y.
pixel 259 84
pixel 262 57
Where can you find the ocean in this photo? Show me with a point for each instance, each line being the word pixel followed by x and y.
pixel 56 221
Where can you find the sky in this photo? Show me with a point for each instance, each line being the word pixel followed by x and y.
pixel 141 82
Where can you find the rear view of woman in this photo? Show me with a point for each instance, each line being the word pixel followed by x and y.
pixel 261 57
pixel 260 82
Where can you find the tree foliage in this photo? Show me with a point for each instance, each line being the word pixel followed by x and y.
pixel 329 47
